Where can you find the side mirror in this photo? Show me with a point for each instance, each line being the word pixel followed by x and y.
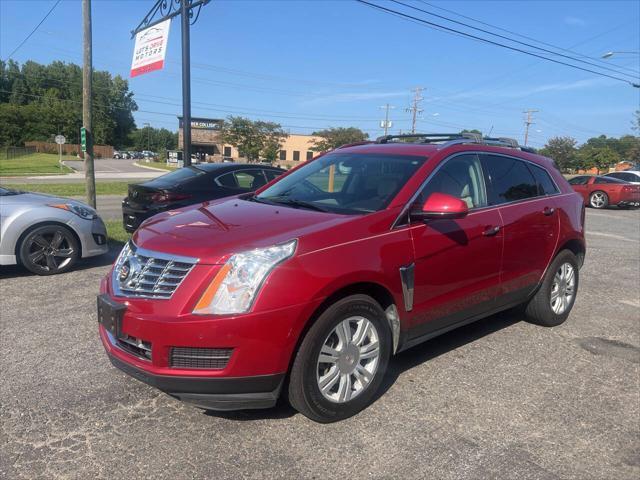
pixel 441 205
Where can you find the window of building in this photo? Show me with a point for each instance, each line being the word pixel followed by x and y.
pixel 227 151
pixel 296 156
pixel 510 179
pixel 309 155
pixel 283 154
pixel 460 177
pixel 545 184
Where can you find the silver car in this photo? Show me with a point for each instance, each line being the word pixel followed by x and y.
pixel 47 234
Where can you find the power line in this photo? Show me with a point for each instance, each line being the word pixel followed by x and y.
pixel 522 36
pixel 34 30
pixel 491 42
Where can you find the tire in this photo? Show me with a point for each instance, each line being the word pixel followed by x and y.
pixel 599 199
pixel 49 249
pixel 542 309
pixel 350 381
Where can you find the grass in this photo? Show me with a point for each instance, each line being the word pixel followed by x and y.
pixel 116 233
pixel 34 164
pixel 70 189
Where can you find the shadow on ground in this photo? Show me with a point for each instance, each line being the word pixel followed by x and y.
pixel 398 365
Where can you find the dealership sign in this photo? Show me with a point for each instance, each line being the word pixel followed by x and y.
pixel 203 123
pixel 150 49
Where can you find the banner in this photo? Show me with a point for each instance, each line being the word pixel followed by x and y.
pixel 150 49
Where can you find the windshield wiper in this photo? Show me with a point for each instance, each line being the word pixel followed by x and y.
pixel 294 203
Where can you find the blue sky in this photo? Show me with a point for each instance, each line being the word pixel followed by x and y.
pixel 313 64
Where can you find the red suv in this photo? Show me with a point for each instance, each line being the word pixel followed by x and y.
pixel 309 286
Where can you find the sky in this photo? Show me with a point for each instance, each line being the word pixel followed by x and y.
pixel 309 65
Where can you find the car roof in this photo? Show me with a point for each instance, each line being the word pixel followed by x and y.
pixel 429 149
pixel 230 167
pixel 636 172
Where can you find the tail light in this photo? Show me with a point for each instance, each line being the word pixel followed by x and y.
pixel 164 197
pixel 627 189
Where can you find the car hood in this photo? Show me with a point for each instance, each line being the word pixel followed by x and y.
pixel 36 199
pixel 212 231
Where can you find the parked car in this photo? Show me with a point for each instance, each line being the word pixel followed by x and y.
pixel 191 185
pixel 47 234
pixel 311 284
pixel 631 176
pixel 604 191
pixel 118 155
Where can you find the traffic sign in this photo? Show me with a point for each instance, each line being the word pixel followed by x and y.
pixel 60 140
pixel 83 139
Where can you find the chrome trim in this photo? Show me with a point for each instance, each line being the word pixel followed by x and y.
pixel 131 250
pixel 407 279
pixel 405 210
pixel 394 323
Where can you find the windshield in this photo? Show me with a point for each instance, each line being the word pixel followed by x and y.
pixel 344 183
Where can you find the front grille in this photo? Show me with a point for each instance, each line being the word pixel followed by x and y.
pixel 205 358
pixel 135 346
pixel 143 273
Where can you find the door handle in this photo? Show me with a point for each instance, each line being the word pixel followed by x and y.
pixel 548 211
pixel 491 231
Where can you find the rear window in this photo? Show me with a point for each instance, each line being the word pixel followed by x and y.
pixel 510 179
pixel 579 180
pixel 180 175
pixel 544 181
pixel 608 180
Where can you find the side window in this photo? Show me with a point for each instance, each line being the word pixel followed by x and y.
pixel 227 180
pixel 510 179
pixel 607 180
pixel 579 180
pixel 271 174
pixel 250 179
pixel 545 184
pixel 461 177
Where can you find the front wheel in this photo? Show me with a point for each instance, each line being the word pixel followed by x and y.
pixel 599 199
pixel 553 302
pixel 49 249
pixel 341 361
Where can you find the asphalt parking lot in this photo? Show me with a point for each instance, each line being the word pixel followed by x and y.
pixel 497 399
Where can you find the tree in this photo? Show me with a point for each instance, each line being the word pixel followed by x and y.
pixel 335 137
pixel 155 139
pixel 253 139
pixel 600 157
pixel 475 130
pixel 562 150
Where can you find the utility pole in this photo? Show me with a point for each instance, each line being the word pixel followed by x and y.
pixel 386 124
pixel 528 122
pixel 87 79
pixel 415 111
pixel 148 127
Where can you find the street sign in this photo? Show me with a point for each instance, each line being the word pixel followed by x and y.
pixel 83 139
pixel 150 49
pixel 60 140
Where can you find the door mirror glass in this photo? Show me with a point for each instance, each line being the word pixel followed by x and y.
pixel 441 205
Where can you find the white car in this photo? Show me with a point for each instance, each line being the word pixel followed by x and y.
pixel 47 234
pixel 631 176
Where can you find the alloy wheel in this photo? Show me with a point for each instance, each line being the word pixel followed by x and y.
pixel 598 200
pixel 50 250
pixel 348 359
pixel 563 288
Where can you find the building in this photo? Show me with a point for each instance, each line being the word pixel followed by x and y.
pixel 206 145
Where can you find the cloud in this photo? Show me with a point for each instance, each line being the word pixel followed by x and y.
pixel 575 21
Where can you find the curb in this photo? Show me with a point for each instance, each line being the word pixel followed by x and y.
pixel 136 164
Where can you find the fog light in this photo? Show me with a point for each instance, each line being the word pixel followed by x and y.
pixel 99 238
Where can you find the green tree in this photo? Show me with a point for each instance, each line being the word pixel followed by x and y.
pixel 600 157
pixel 157 140
pixel 563 151
pixel 253 139
pixel 335 137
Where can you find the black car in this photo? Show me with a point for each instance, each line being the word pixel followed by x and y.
pixel 190 185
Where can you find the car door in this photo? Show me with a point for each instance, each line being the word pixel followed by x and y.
pixel 456 262
pixel 580 185
pixel 530 224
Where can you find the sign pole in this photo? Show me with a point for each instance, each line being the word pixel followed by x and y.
pixel 186 84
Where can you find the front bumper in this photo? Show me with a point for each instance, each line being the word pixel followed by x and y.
pixel 93 236
pixel 222 394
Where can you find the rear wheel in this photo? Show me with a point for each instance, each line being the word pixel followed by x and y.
pixel 553 302
pixel 341 361
pixel 49 249
pixel 599 199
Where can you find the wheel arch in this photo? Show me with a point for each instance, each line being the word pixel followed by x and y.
pixel 576 246
pixel 32 227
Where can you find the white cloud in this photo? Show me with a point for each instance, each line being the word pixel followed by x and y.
pixel 575 21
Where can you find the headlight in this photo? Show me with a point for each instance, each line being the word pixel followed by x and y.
pixel 236 285
pixel 87 213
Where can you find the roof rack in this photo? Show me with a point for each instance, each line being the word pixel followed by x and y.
pixel 449 139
